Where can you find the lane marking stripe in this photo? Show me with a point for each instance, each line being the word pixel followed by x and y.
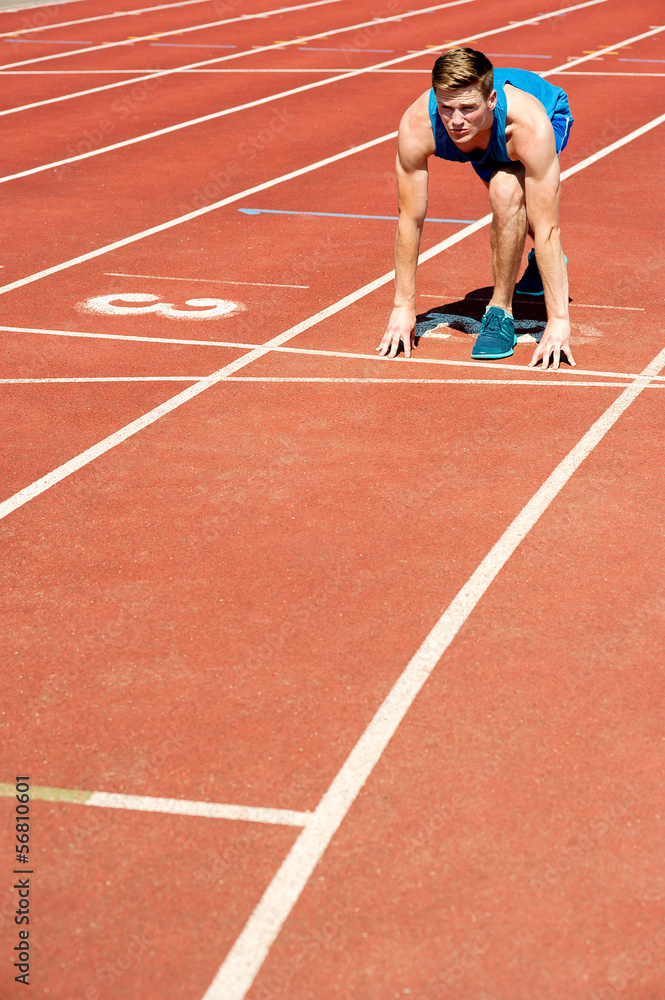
pixel 31 6
pixel 212 810
pixel 592 54
pixel 177 31
pixel 593 73
pixel 101 447
pixel 335 215
pixel 87 20
pixel 149 803
pixel 48 794
pixel 222 202
pixel 437 381
pixel 345 74
pixel 205 281
pixel 295 69
pixel 259 378
pixel 195 213
pixel 50 41
pixel 103 378
pixel 254 50
pixel 260 102
pixel 477 298
pixel 317 352
pixel 251 948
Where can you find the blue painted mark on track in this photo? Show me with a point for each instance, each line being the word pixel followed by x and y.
pixel 515 55
pixel 314 48
pixel 643 60
pixel 43 41
pixel 176 45
pixel 335 215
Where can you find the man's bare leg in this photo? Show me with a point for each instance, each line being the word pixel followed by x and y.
pixel 507 233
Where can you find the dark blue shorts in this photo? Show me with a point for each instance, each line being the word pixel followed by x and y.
pixel 561 125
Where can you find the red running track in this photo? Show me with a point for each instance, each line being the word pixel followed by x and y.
pixel 219 605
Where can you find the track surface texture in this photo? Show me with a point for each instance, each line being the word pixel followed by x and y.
pixel 333 677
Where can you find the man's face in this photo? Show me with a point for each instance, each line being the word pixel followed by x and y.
pixel 465 112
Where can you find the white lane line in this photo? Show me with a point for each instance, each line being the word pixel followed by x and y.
pixel 211 69
pixel 479 298
pixel 588 305
pixel 205 281
pixel 609 73
pixel 110 378
pixel 439 381
pixel 84 458
pixel 278 180
pixel 236 55
pixel 260 102
pixel 583 164
pixel 107 17
pixel 149 803
pixel 213 810
pixel 176 31
pixel 600 52
pixel 31 6
pixel 275 70
pixel 315 352
pixel 251 948
pixel 194 214
pixel 260 378
pixel 124 336
pixel 244 52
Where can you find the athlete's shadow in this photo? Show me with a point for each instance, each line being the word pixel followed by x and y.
pixel 464 317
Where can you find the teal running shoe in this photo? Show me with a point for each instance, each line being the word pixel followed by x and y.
pixel 497 336
pixel 530 283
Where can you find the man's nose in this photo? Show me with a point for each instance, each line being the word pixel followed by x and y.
pixel 458 117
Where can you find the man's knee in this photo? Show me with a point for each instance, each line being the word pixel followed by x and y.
pixel 506 194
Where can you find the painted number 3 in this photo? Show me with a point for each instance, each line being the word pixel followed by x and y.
pixel 140 303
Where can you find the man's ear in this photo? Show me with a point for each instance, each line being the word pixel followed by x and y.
pixel 491 101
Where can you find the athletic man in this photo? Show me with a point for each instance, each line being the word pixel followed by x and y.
pixel 511 125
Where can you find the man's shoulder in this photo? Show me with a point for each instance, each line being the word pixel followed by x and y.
pixel 523 108
pixel 416 139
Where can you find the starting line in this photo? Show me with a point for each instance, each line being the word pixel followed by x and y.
pixel 148 803
pixel 314 352
pixel 314 379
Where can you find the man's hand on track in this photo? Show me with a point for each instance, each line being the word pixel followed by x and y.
pixel 555 339
pixel 401 329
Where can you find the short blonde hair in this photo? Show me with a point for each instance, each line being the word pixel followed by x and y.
pixel 463 68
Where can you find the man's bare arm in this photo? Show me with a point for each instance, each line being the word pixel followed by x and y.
pixel 412 181
pixel 533 142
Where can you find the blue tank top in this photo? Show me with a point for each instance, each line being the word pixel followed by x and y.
pixel 554 100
